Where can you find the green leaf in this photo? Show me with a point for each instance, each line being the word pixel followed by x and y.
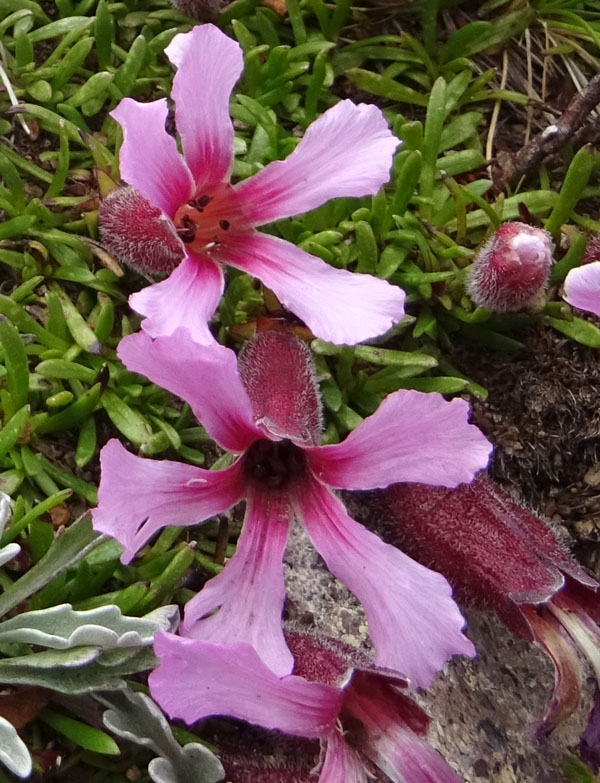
pixel 12 430
pixel 441 384
pixel 576 771
pixel 127 420
pixel 387 88
pixel 68 549
pixel 578 329
pixel 81 734
pixel 478 36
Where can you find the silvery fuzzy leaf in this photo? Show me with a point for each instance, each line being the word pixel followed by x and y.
pixel 11 550
pixel 78 670
pixel 5 511
pixel 77 541
pixel 13 751
pixel 135 717
pixel 8 552
pixel 61 627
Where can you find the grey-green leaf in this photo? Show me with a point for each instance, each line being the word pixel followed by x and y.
pixel 77 670
pixel 13 751
pixel 62 627
pixel 191 764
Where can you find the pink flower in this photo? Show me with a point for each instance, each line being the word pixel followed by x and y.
pixel 366 724
pixel 582 287
pixel 498 555
pixel 512 269
pixel 269 417
pixel 347 152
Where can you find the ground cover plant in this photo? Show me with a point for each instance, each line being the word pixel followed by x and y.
pixel 412 196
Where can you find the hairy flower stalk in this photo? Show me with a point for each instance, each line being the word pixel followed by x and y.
pixel 367 725
pixel 347 152
pixel 511 270
pixel 269 417
pixel 498 555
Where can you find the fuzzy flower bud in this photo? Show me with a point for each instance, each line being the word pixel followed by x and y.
pixel 498 555
pixel 511 270
pixel 136 233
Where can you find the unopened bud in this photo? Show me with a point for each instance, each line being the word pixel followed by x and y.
pixel 138 234
pixel 512 269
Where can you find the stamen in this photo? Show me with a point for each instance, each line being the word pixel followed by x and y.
pixel 224 224
pixel 200 203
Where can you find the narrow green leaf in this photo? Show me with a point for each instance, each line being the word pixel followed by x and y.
pixel 128 421
pixel 68 549
pixel 578 329
pixel 81 734
pixel 575 180
pixel 10 433
pixel 15 361
pixel 387 88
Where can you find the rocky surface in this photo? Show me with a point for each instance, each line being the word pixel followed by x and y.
pixel 485 711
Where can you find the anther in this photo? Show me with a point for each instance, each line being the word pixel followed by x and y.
pixel 224 224
pixel 200 203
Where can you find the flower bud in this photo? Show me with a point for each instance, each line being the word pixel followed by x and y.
pixel 138 234
pixel 498 555
pixel 512 269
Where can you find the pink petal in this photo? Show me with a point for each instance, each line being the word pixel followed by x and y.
pixel 188 297
pixel 279 376
pixel 208 65
pixel 337 305
pixel 582 287
pixel 250 592
pixel 413 621
pixel 148 159
pixel 348 151
pixel 205 376
pixel 391 722
pixel 568 666
pixel 197 679
pixel 411 437
pixel 139 496
pixel 342 764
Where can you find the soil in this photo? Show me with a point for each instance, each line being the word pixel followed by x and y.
pixel 542 414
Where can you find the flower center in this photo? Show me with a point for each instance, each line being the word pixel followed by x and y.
pixel 204 220
pixel 274 464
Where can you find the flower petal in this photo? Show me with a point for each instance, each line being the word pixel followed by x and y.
pixel 568 667
pixel 188 297
pixel 205 376
pixel 197 679
pixel 208 65
pixel 413 621
pixel 337 305
pixel 411 437
pixel 138 496
pixel 346 152
pixel 250 592
pixel 342 764
pixel 148 159
pixel 392 721
pixel 582 287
